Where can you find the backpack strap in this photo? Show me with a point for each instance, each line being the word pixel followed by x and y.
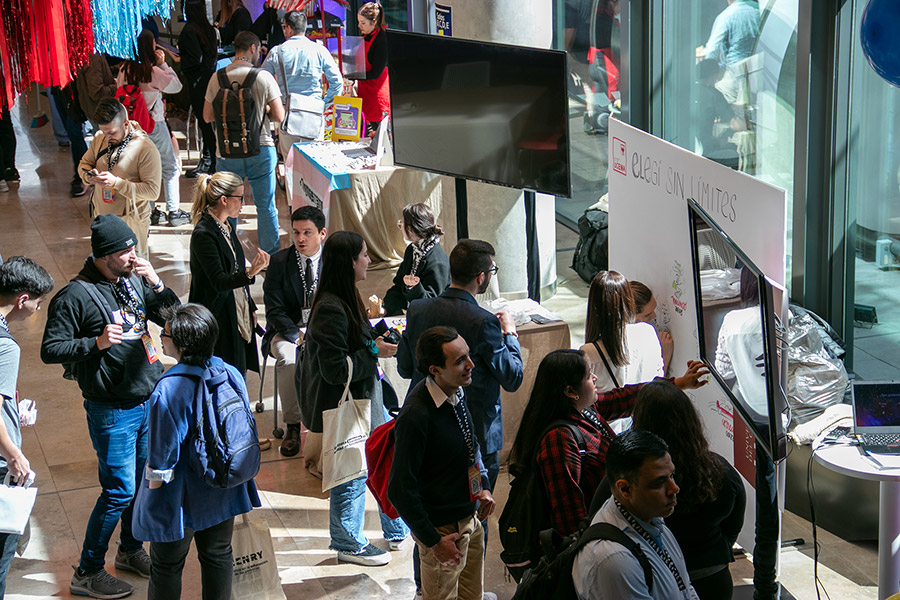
pixel 606 364
pixel 576 433
pixel 608 531
pixel 250 79
pixel 99 300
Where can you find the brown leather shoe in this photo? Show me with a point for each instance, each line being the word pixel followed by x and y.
pixel 290 445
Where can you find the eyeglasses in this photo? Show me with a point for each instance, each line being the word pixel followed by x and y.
pixel 399 223
pixel 241 197
pixel 493 270
pixel 163 334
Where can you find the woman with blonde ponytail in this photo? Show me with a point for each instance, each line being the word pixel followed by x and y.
pixel 220 278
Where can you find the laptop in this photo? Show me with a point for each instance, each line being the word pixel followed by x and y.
pixel 876 416
pixel 375 147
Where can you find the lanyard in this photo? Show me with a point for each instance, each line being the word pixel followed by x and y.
pixel 3 323
pixel 127 298
pixel 311 290
pixel 227 235
pixel 591 416
pixel 462 418
pixel 649 539
pixel 420 249
pixel 114 159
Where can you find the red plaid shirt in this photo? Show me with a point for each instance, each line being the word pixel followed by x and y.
pixel 570 479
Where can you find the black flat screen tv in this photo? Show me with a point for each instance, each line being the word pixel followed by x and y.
pixel 736 327
pixel 488 112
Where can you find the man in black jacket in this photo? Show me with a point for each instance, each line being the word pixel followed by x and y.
pixel 437 479
pixel 97 328
pixel 287 293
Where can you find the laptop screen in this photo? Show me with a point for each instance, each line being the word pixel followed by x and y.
pixel 876 407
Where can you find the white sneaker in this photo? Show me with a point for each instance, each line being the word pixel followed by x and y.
pixel 4 187
pixel 395 545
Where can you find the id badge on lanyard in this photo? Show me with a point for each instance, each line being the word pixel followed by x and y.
pixel 474 483
pixel 149 348
pixel 109 195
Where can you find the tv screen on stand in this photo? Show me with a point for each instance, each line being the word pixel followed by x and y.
pixel 482 111
pixel 736 327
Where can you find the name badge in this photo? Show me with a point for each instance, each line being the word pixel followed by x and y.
pixel 149 348
pixel 474 483
pixel 109 195
pixel 304 315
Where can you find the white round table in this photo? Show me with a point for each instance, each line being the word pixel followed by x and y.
pixel 848 460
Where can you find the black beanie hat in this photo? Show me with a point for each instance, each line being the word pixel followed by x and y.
pixel 110 234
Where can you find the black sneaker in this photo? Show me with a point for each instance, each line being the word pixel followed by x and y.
pixel 98 585
pixel 77 189
pixel 177 218
pixel 136 562
pixel 156 216
pixel 11 174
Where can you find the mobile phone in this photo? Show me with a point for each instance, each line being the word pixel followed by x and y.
pixel 91 172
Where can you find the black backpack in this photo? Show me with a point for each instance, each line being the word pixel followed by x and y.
pixel 526 513
pixel 238 120
pixel 592 251
pixel 551 579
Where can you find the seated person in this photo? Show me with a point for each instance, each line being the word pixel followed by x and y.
pixel 425 270
pixel 287 293
pixel 640 474
pixel 710 511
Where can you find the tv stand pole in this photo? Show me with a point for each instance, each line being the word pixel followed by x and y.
pixel 462 209
pixel 533 257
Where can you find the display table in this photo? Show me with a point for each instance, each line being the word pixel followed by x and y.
pixel 848 460
pixel 369 202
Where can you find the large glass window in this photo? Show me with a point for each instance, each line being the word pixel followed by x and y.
pixel 591 37
pixel 873 162
pixel 727 76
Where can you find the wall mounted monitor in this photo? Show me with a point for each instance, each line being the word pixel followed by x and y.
pixel 488 112
pixel 737 326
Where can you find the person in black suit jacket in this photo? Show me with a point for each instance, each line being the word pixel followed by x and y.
pixel 338 329
pixel 425 270
pixel 288 293
pixel 220 279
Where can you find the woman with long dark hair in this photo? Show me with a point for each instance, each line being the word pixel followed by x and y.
pixel 710 510
pixel 564 396
pixel 155 78
pixel 339 328
pixel 374 86
pixel 425 270
pixel 232 19
pixel 620 351
pixel 197 44
pixel 220 279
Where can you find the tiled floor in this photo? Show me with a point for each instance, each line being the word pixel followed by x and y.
pixel 41 221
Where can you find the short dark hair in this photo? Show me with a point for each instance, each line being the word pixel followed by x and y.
pixel 244 40
pixel 296 20
pixel 109 110
pixel 430 348
pixel 194 331
pixel 20 274
pixel 628 452
pixel 309 213
pixel 469 259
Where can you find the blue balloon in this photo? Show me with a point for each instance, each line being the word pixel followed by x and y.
pixel 880 40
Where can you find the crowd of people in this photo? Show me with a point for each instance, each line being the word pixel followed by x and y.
pixel 458 355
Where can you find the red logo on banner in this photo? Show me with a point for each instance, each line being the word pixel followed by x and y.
pixel 619 156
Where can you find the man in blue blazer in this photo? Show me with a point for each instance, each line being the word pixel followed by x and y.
pixel 492 339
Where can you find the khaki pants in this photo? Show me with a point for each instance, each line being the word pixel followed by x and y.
pixel 464 581
pixel 285 354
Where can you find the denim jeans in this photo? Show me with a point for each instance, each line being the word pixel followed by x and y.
pixel 347 506
pixel 162 139
pixel 216 563
pixel 74 132
pixel 119 437
pixel 260 172
pixel 8 542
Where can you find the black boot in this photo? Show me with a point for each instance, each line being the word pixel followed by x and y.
pixel 203 167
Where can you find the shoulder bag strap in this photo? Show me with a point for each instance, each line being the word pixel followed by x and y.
pixel 349 379
pixel 608 531
pixel 606 364
pixel 287 94
pixel 101 303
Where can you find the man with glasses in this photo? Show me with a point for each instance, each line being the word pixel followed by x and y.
pixel 298 64
pixel 97 328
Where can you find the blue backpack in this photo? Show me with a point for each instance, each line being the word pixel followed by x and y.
pixel 222 445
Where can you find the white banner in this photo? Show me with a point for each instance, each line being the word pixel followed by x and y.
pixel 650 181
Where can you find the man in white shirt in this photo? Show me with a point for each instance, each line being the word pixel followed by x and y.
pixel 298 64
pixel 640 472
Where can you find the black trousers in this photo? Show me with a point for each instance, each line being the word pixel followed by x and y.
pixel 7 142
pixel 197 92
pixel 216 563
pixel 717 586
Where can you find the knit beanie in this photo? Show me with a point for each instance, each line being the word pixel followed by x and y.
pixel 110 234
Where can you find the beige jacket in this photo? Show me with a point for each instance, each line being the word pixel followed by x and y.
pixel 139 171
